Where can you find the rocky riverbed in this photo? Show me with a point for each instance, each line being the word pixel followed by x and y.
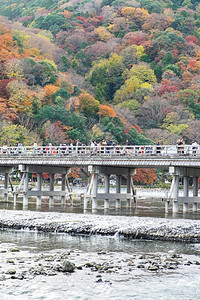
pixel 180 230
pixel 101 266
pixel 50 255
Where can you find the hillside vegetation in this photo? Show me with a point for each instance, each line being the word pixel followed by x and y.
pixel 101 69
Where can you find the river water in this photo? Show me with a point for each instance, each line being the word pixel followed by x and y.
pixel 124 272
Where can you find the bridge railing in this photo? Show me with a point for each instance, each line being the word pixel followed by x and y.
pixel 99 150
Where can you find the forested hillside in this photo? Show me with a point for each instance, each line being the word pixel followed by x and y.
pixel 101 69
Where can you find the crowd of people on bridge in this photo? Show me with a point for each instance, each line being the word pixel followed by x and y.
pixel 68 148
pixel 103 147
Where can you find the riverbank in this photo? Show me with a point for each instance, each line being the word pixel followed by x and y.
pixel 54 255
pixel 147 228
pixel 36 265
pixel 101 266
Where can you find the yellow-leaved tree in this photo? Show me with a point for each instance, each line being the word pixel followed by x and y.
pixel 22 101
pixel 88 104
pixel 103 33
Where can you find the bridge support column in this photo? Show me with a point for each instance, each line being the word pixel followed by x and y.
pixel 92 189
pixel 128 188
pixel 107 190
pixel 133 193
pixel 195 193
pixel 176 192
pixel 15 196
pixel 6 187
pixel 25 197
pixel 94 192
pixel 51 198
pixel 166 206
pixel 63 189
pixel 118 190
pixel 185 192
pixel 39 189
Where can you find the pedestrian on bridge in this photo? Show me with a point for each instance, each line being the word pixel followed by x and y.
pixel 158 148
pixel 180 146
pixel 35 148
pixel 5 148
pixel 194 148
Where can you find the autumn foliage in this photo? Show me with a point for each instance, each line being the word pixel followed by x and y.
pixel 145 176
pixel 88 104
pixel 106 111
pixel 131 69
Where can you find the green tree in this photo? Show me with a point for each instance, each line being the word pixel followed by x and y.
pixel 62 93
pixel 192 99
pixel 45 72
pixel 56 113
pixel 65 64
pixel 42 72
pixel 12 134
pixel 105 75
pixel 137 139
pixel 152 6
pixel 168 40
pixel 76 91
pixel 117 128
pixel 52 22
pixel 174 68
pixel 168 59
pixel 158 71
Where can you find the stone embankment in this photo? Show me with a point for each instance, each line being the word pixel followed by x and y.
pixel 179 230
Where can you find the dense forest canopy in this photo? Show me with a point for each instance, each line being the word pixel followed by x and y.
pixel 102 69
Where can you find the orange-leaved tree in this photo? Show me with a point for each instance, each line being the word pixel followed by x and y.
pixel 6 112
pixel 145 176
pixel 7 47
pixel 49 90
pixel 106 111
pixel 22 101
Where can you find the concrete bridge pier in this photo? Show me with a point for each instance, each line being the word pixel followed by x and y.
pixel 92 189
pixel 94 192
pixel 166 206
pixel 51 197
pixel 118 190
pixel 185 192
pixel 133 192
pixel 6 171
pixel 186 199
pixel 39 193
pixel 186 173
pixel 89 189
pixel 195 193
pixel 107 190
pixel 6 187
pixel 39 189
pixel 63 188
pixel 25 196
pixel 176 193
pixel 128 190
pixel 15 196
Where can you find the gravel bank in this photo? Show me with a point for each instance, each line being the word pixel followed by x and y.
pixel 180 230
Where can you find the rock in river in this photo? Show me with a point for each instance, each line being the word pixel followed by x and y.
pixel 68 266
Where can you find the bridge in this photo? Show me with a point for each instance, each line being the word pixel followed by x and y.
pixel 182 161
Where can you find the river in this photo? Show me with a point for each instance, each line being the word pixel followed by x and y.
pixel 106 267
